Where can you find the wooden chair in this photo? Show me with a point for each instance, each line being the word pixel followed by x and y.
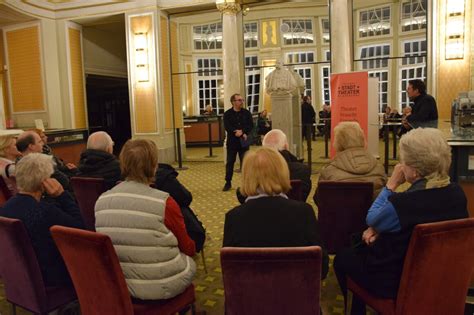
pixel 97 276
pixel 342 209
pixel 271 280
pixel 436 273
pixel 87 191
pixel 21 274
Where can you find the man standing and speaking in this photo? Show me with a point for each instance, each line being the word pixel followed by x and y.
pixel 238 123
pixel 424 112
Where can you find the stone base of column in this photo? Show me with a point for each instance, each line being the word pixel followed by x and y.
pixel 286 115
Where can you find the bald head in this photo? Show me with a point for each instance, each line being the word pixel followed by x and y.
pixel 101 141
pixel 275 139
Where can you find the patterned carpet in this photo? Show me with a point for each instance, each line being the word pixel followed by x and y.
pixel 205 179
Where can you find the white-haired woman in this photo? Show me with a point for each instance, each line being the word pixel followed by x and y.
pixel 376 262
pixel 268 218
pixel 352 161
pixel 33 180
pixel 8 155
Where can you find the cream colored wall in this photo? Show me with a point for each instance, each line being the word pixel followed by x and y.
pixel 105 52
pixel 453 76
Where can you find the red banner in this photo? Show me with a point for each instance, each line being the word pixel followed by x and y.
pixel 349 100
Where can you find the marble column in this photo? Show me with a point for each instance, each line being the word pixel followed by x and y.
pixel 341 34
pixel 231 58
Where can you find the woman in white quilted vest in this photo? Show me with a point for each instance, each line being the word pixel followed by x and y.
pixel 146 227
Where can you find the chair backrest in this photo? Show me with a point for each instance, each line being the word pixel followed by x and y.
pixel 296 191
pixel 5 193
pixel 19 267
pixel 95 271
pixel 342 209
pixel 271 280
pixel 437 269
pixel 87 191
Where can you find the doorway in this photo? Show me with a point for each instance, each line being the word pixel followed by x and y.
pixel 108 107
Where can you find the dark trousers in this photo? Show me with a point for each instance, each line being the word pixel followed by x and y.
pixel 351 262
pixel 231 157
pixel 347 264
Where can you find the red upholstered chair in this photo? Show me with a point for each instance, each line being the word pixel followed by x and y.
pixel 87 191
pixel 100 285
pixel 436 272
pixel 21 273
pixel 5 193
pixel 342 209
pixel 296 192
pixel 261 281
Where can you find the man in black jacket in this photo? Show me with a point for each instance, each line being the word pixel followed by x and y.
pixel 166 180
pixel 238 123
pixel 98 160
pixel 277 139
pixel 424 112
pixel 308 116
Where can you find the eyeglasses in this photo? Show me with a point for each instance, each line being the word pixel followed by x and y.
pixel 239 100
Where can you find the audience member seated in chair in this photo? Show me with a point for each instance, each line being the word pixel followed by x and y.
pixel 8 155
pixel 30 142
pixel 263 124
pixel 98 159
pixel 352 161
pixel 167 181
pixel 146 228
pixel 33 178
pixel 375 261
pixel 277 140
pixel 268 218
pixel 67 168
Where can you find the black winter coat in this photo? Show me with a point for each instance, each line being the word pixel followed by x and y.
pixel 96 163
pixel 166 180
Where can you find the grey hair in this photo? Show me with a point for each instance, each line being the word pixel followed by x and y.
pixel 426 150
pixel 348 134
pixel 275 139
pixel 99 140
pixel 32 170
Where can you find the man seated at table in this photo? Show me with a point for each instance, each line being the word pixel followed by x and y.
pixel 424 112
pixel 323 116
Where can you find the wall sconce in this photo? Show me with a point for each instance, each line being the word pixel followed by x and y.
pixel 141 57
pixel 454 48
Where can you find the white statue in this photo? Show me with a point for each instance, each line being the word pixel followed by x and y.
pixel 281 81
pixel 300 84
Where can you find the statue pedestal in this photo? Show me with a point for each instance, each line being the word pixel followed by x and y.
pixel 286 115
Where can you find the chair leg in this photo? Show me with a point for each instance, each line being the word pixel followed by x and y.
pixel 349 302
pixel 13 309
pixel 193 308
pixel 203 260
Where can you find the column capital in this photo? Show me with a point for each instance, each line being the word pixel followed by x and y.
pixel 228 7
